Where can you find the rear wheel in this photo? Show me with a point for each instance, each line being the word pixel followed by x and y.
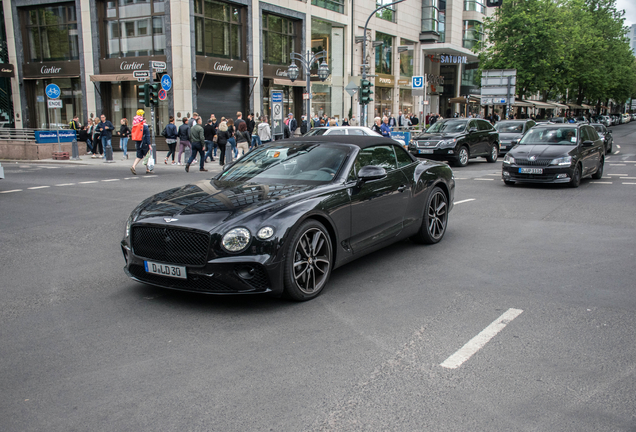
pixel 308 262
pixel 609 149
pixel 575 181
pixel 435 218
pixel 462 157
pixel 599 171
pixel 494 153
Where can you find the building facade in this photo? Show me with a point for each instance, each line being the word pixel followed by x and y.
pixel 227 56
pixel 632 38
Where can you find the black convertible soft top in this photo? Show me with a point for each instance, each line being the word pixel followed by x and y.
pixel 360 141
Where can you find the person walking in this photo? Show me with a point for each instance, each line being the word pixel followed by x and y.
pixel 209 132
pixel 243 138
pixel 83 137
pixel 377 125
pixel 98 148
pixel 385 128
pixel 239 119
pixel 197 140
pixel 141 135
pixel 124 135
pixel 293 124
pixel 264 131
pixel 250 123
pixel 184 139
pixel 304 126
pixel 106 129
pixel 353 121
pixel 193 120
pixel 75 125
pixel 171 133
pixel 223 141
pixel 232 139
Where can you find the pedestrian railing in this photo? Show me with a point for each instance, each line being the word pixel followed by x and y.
pixel 25 134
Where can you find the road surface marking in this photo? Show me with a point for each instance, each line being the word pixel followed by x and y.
pixel 498 174
pixel 617 164
pixel 65 184
pixel 620 175
pixel 483 179
pixel 616 152
pixel 9 191
pixel 461 178
pixel 595 182
pixel 617 146
pixel 479 341
pixel 131 178
pixel 627 178
pixel 88 182
pixel 466 200
pixel 38 187
pixel 110 180
pixel 623 183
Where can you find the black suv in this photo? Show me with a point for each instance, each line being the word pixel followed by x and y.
pixel 456 140
pixel 555 153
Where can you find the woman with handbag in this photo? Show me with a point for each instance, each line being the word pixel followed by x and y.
pixel 243 138
pixel 222 140
pixel 141 136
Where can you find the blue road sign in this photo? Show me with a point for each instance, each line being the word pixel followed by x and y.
pixel 53 91
pixel 277 96
pixel 418 82
pixel 166 82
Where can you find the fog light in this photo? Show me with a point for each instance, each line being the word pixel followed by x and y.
pixel 246 272
pixel 451 152
pixel 562 176
pixel 506 174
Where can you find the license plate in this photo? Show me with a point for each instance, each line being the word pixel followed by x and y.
pixel 168 270
pixel 426 151
pixel 530 170
pixel 504 146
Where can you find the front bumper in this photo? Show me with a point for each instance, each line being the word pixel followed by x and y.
pixel 437 154
pixel 550 174
pixel 252 274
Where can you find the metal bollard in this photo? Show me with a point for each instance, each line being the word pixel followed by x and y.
pixel 108 152
pixel 187 152
pixel 74 151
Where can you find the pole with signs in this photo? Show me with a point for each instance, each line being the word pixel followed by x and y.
pixel 276 98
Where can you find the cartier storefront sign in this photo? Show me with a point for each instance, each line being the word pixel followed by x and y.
pixel 280 72
pixel 59 69
pixel 7 70
pixel 127 65
pixel 220 66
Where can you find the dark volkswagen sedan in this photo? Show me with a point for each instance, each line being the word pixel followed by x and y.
pixel 281 218
pixel 457 140
pixel 555 154
pixel 510 132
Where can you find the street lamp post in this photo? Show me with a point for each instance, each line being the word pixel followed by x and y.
pixel 363 117
pixel 306 61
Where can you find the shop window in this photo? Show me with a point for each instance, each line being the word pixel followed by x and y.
pixel 388 13
pixel 218 29
pixel 384 54
pixel 51 33
pixel 332 5
pixel 279 39
pixel 473 33
pixel 134 28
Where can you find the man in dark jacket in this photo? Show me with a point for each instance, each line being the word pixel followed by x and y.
pixel 250 123
pixel 197 138
pixel 293 124
pixel 75 125
pixel 208 132
pixel 303 126
pixel 105 127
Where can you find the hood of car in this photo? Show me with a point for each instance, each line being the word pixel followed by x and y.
pixel 541 151
pixel 209 203
pixel 509 136
pixel 437 136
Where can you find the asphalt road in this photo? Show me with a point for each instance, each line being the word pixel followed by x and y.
pixel 539 281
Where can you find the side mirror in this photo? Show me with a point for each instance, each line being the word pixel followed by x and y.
pixel 472 130
pixel 371 172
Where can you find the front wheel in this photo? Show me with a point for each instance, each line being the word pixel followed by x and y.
pixel 435 218
pixel 599 171
pixel 575 181
pixel 308 263
pixel 462 157
pixel 494 154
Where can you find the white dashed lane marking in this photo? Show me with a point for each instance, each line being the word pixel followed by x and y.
pixel 38 187
pixel 629 183
pixel 479 341
pixel 464 201
pixel 9 191
pixel 617 164
pixel 65 184
pixel 110 180
pixel 89 182
pixel 484 179
pixel 596 182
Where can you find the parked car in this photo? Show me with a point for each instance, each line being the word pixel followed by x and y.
pixel 606 136
pixel 510 132
pixel 555 154
pixel 347 130
pixel 559 120
pixel 457 141
pixel 607 121
pixel 626 118
pixel 286 214
pixel 1 172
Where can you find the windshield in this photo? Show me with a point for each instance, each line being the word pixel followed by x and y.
pixel 304 163
pixel 599 128
pixel 316 132
pixel 509 127
pixel 550 136
pixel 449 126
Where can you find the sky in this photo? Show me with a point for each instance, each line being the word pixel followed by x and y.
pixel 630 10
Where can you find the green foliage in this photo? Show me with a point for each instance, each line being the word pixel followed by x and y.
pixel 576 48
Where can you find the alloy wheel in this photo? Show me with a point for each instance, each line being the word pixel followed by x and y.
pixel 312 261
pixel 437 215
pixel 463 156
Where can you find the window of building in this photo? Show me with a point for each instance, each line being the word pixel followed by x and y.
pixel 388 13
pixel 470 75
pixel 383 54
pixel 333 5
pixel 474 5
pixel 406 59
pixel 473 33
pixel 279 39
pixel 134 28
pixel 52 33
pixel 434 17
pixel 218 29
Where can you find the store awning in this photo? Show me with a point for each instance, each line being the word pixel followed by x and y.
pixel 541 105
pixel 588 107
pixel 520 103
pixel 575 106
pixel 113 77
pixel 462 99
pixel 560 105
pixel 286 82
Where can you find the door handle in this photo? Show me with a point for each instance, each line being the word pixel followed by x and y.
pixel 402 188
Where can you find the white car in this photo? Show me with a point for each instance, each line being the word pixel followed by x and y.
pixel 626 118
pixel 348 130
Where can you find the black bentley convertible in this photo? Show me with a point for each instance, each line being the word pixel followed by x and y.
pixel 281 218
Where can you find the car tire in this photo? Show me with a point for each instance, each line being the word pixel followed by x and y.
pixel 462 157
pixel 509 183
pixel 435 218
pixel 494 154
pixel 308 262
pixel 575 181
pixel 611 147
pixel 599 171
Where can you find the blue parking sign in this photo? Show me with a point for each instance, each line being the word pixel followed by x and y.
pixel 166 82
pixel 52 91
pixel 418 82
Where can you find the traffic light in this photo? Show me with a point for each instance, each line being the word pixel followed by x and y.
pixel 154 93
pixel 493 3
pixel 365 91
pixel 144 94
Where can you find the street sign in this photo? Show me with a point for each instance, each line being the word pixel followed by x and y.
pixel 158 64
pixel 497 100
pixel 141 79
pixel 276 96
pixel 166 82
pixel 418 82
pixel 141 74
pixel 306 96
pixel 55 103
pixel 53 91
pixel 162 95
pixel 352 88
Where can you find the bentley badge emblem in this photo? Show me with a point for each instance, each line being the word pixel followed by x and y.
pixel 167 219
pixel 531 159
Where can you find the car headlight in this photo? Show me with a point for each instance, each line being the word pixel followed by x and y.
pixel 265 233
pixel 448 143
pixel 236 239
pixel 508 159
pixel 128 224
pixel 564 161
